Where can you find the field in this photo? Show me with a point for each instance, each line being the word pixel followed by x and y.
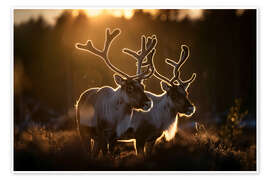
pixel 42 149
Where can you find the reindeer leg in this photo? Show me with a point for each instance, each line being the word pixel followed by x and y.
pixel 104 147
pixel 96 148
pixel 100 144
pixel 112 145
pixel 85 139
pixel 140 146
pixel 86 144
pixel 109 138
pixel 150 146
pixel 151 142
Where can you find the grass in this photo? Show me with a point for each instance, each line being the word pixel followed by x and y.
pixel 41 149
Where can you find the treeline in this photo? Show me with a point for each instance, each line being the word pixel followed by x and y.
pixel 48 67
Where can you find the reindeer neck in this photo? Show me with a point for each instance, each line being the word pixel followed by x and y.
pixel 119 102
pixel 163 112
pixel 164 105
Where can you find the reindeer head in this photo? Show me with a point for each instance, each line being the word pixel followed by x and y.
pixel 176 89
pixel 178 99
pixel 133 93
pixel 131 89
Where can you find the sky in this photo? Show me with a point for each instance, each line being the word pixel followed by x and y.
pixel 50 15
pixel 22 15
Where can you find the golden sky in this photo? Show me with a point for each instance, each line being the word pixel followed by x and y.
pixel 50 15
pixel 22 15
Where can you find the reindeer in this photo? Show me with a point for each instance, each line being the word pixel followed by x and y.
pixel 103 114
pixel 148 127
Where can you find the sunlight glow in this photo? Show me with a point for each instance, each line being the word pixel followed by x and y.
pixel 22 15
pixel 93 12
pixel 126 13
pixel 240 12
pixel 192 14
pixel 153 12
pixel 169 133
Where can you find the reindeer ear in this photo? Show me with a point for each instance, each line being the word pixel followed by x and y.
pixel 165 86
pixel 119 80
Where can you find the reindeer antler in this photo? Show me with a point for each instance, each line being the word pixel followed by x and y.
pixel 176 74
pixel 147 50
pixel 177 66
pixel 110 36
pixel 149 64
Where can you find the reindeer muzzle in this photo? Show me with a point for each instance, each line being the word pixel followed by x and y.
pixel 190 110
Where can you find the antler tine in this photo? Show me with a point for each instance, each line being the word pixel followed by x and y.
pixel 136 54
pixel 146 48
pixel 89 47
pixel 183 57
pixel 149 60
pixel 187 83
pixel 110 36
pixel 149 64
pixel 149 57
pixel 153 68
pixel 161 77
pixel 190 80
